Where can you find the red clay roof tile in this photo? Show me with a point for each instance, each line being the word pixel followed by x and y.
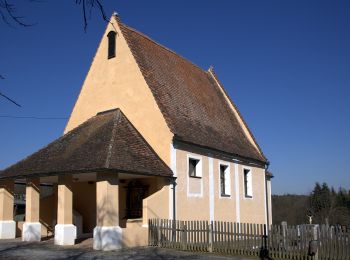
pixel 194 108
pixel 105 142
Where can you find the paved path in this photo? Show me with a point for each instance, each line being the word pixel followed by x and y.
pixel 16 249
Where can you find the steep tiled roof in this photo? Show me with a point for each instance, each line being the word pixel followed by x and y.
pixel 105 142
pixel 192 103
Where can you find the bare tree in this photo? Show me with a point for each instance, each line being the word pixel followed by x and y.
pixel 10 16
pixel 9 13
pixel 88 6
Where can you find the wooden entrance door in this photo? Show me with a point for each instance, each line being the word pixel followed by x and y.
pixel 136 192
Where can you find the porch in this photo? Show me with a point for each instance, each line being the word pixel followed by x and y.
pixel 103 184
pixel 108 207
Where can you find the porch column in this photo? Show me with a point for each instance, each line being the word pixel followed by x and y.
pixel 107 233
pixel 65 231
pixel 32 227
pixel 7 225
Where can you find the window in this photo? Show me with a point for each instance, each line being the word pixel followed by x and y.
pixel 225 187
pixel 111 44
pixel 193 169
pixel 194 176
pixel 248 186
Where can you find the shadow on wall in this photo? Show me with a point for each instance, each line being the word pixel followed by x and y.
pixel 84 202
pixel 107 216
pixel 107 230
pixel 153 205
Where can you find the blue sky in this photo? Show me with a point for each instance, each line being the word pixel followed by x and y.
pixel 286 64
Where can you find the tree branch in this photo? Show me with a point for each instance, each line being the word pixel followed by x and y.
pixel 9 99
pixel 10 10
pixel 87 6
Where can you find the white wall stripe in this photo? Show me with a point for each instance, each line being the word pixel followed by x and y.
pixel 269 201
pixel 265 201
pixel 211 189
pixel 173 168
pixel 238 207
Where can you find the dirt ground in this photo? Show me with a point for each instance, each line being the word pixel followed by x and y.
pixel 16 249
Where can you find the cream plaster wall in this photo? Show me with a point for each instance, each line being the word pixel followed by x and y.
pixel 253 209
pixel 6 200
pixel 118 83
pixel 224 207
pixel 32 200
pixel 48 209
pixel 84 202
pixel 107 200
pixel 189 207
pixel 156 205
pixel 134 237
pixel 65 200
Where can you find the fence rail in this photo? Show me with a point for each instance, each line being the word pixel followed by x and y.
pixel 304 242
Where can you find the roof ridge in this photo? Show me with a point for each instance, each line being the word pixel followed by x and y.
pixel 162 46
pixel 114 130
pixel 143 138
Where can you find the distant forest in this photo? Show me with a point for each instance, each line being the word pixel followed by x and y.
pixel 324 205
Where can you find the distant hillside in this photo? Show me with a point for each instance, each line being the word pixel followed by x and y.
pixel 290 208
pixel 326 205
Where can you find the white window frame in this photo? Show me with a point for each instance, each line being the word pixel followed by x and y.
pixel 248 191
pixel 199 174
pixel 199 167
pixel 227 180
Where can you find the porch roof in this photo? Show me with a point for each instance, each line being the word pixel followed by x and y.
pixel 107 142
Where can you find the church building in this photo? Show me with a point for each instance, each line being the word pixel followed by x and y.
pixel 151 135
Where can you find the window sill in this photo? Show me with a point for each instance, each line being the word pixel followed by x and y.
pixel 225 195
pixel 248 197
pixel 196 177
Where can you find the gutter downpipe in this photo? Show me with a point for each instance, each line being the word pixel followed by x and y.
pixel 173 181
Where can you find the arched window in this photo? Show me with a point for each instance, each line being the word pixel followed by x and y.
pixel 111 44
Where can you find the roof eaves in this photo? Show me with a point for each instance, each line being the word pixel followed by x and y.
pixel 104 170
pixel 229 154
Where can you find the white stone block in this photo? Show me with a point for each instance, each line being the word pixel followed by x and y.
pixel 65 235
pixel 107 238
pixel 7 229
pixel 31 231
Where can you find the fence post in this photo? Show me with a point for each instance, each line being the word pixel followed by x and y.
pixel 173 228
pixel 284 234
pixel 316 238
pixel 265 245
pixel 159 234
pixel 183 236
pixel 150 238
pixel 210 236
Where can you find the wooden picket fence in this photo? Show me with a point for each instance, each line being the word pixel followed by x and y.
pixel 334 243
pixel 279 242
